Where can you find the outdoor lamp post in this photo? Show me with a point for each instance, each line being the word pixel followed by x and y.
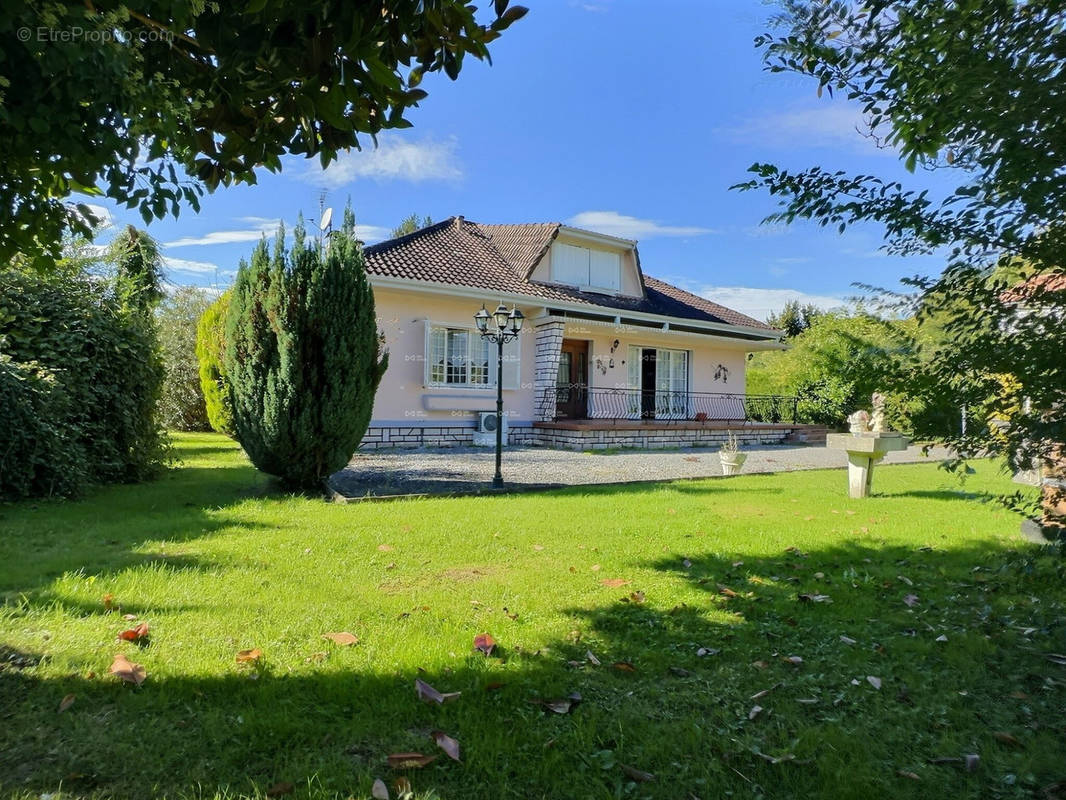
pixel 500 326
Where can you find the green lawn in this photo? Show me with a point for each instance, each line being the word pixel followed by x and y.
pixel 215 564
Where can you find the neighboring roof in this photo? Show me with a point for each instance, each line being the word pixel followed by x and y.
pixel 1036 288
pixel 501 257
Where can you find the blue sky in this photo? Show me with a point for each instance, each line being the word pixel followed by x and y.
pixel 632 118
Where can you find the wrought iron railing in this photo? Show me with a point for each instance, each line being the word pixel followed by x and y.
pixel 576 401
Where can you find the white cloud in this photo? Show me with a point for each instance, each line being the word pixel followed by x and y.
pixel 194 267
pixel 614 224
pixel 257 227
pixel 393 159
pixel 835 125
pixel 760 303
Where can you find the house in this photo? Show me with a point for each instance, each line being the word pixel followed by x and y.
pixel 608 356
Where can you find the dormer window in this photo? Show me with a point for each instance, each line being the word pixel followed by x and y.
pixel 594 270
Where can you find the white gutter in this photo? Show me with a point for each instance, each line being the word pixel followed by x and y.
pixel 454 290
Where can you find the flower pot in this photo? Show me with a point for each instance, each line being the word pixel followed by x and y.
pixel 732 462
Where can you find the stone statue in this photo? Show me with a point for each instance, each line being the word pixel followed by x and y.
pixel 877 424
pixel 859 422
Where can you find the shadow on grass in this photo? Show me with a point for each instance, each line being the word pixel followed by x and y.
pixel 673 693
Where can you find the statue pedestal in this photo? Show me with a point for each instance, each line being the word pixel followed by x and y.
pixel 864 451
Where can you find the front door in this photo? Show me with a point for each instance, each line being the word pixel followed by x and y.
pixel 571 393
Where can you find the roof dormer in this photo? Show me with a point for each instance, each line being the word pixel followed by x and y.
pixel 591 262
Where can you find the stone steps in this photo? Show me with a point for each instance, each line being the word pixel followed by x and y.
pixel 808 434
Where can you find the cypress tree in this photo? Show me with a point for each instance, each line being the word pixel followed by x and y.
pixel 214 383
pixel 303 355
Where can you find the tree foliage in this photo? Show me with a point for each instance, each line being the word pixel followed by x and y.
pixel 135 257
pixel 153 103
pixel 410 224
pixel 210 354
pixel 975 88
pixel 303 355
pixel 80 377
pixel 181 403
pixel 794 318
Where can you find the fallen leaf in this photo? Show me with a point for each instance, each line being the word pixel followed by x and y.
pixel 1000 736
pixel 344 639
pixel 905 774
pixel 251 656
pixel 123 669
pixel 614 583
pixel 409 760
pixel 129 617
pixel 592 659
pixel 636 775
pixel 538 547
pixel 910 600
pixel 873 681
pixel 636 597
pixel 446 743
pixel 794 659
pixel 385 548
pixel 760 664
pixel 707 651
pixel 624 666
pixel 561 706
pixel 755 711
pixel 484 643
pixel 905 580
pixel 764 692
pixel 379 791
pixel 109 602
pixel 66 703
pixel 725 590
pixel 942 638
pixel 430 695
pixel 280 788
pixel 137 634
pixel 847 640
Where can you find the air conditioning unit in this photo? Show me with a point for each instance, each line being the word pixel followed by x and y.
pixel 487 421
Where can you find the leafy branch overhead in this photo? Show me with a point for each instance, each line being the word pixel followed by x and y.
pixel 975 88
pixel 193 96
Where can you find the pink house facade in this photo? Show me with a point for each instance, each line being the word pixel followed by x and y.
pixel 608 356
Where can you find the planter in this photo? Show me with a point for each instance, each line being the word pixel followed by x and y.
pixel 732 462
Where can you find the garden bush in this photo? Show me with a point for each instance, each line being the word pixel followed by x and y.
pixel 79 383
pixel 303 355
pixel 210 352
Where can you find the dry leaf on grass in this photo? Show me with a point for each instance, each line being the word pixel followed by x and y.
pixel 755 711
pixel 379 791
pixel 707 651
pixel 343 638
pixel 428 694
pixel 385 548
pixel 1000 736
pixel 873 681
pixel 614 583
pixel 847 640
pixel 624 666
pixel 409 760
pixel 125 670
pixel 137 634
pixel 591 658
pixel 446 743
pixel 109 602
pixel 484 643
pixel 634 597
pixel 910 600
pixel 250 656
pixel 793 659
pixel 636 775
pixel 907 774
pixel 561 706
pixel 66 703
pixel 726 591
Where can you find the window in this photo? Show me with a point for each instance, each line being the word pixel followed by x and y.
pixel 457 357
pixel 460 357
pixel 589 269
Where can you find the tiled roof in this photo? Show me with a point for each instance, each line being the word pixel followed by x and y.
pixel 501 257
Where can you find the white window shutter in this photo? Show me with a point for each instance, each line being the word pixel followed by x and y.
pixel 605 270
pixel 512 372
pixel 434 352
pixel 570 264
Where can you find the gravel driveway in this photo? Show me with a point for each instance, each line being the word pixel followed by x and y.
pixel 444 471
